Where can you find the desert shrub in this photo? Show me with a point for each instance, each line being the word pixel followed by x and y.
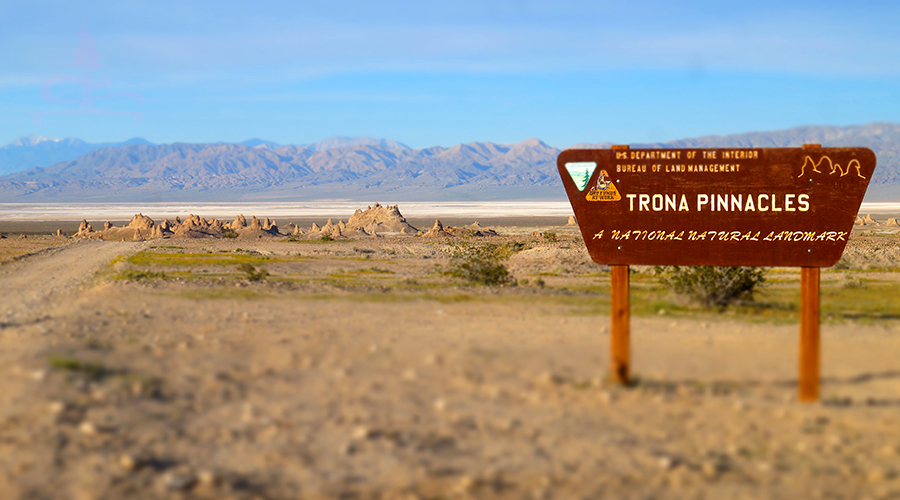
pixel 551 237
pixel 299 238
pixel 507 249
pixel 229 233
pixel 251 272
pixel 713 286
pixel 94 371
pixel 851 282
pixel 481 264
pixel 135 275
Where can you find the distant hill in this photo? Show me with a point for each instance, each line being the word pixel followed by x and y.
pixel 365 169
pixel 237 172
pixel 35 151
pixel 882 138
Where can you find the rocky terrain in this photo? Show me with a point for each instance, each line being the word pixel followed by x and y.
pixel 274 367
pixel 869 222
pixel 374 221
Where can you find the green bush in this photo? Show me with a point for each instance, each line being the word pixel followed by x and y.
pixel 251 272
pixel 713 286
pixel 94 371
pixel 229 233
pixel 850 282
pixel 481 264
pixel 136 275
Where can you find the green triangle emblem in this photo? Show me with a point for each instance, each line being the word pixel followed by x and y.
pixel 581 172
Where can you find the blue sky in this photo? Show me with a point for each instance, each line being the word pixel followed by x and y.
pixel 441 73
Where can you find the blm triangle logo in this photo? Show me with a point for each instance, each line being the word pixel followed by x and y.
pixel 581 172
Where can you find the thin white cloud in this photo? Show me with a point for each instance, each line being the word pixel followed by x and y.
pixel 232 45
pixel 770 47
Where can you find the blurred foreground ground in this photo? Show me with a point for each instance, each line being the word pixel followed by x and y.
pixel 356 369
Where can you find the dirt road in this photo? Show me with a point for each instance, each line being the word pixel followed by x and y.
pixel 31 285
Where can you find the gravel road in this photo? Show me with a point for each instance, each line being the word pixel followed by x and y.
pixel 28 286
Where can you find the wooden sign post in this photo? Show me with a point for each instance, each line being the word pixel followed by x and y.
pixel 620 335
pixel 808 380
pixel 791 207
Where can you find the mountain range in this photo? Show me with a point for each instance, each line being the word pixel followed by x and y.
pixel 361 169
pixel 35 151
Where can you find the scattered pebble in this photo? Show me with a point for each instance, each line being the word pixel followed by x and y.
pixel 548 378
pixel 606 397
pixel 506 425
pixel 876 475
pixel 361 432
pixel 56 407
pixel 128 462
pixel 178 481
pixel 715 466
pixel 207 477
pixel 465 484
pixel 434 359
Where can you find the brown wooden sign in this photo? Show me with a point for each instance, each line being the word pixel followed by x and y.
pixel 722 207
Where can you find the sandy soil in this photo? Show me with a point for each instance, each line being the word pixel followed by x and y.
pixel 358 371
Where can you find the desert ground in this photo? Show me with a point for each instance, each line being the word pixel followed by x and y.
pixel 357 368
